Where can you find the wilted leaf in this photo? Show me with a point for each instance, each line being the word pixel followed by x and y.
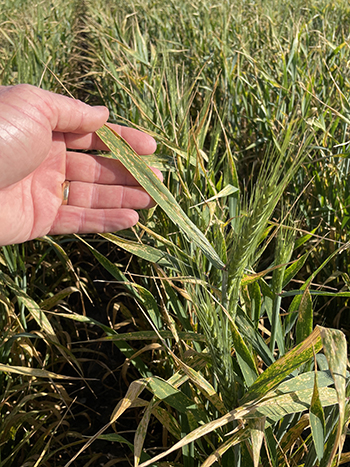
pixel 257 428
pixel 238 437
pixel 227 191
pixel 35 372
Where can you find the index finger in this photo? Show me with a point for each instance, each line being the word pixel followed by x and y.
pixel 96 169
pixel 142 143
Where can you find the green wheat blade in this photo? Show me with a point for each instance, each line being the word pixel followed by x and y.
pixel 121 150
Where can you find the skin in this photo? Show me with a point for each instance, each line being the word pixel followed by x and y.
pixel 41 134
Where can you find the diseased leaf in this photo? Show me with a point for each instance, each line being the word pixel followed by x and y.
pixel 305 317
pixel 169 394
pixel 133 392
pixel 284 366
pixel 317 421
pixel 293 269
pixel 146 252
pixel 317 293
pixel 335 350
pixel 300 241
pixel 164 391
pixel 150 304
pixel 273 408
pixel 305 381
pixel 150 335
pixel 251 335
pixel 244 357
pixel 167 420
pixel 255 300
pixel 61 295
pixel 204 386
pixel 33 308
pixel 121 150
pixel 141 432
pixel 257 428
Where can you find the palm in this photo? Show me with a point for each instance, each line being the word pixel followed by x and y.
pixel 103 195
pixel 32 204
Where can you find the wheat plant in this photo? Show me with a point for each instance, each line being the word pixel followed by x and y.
pixel 227 289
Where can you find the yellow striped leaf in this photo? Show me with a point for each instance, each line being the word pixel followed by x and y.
pixel 121 150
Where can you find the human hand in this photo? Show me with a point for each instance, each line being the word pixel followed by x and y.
pixel 36 129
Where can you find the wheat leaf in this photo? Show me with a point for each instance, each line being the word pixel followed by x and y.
pixel 121 150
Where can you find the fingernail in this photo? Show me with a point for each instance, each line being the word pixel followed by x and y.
pixel 101 108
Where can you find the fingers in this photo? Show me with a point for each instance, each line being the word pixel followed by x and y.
pixel 90 195
pixel 63 113
pixel 95 169
pixel 71 219
pixel 72 115
pixel 76 119
pixel 140 142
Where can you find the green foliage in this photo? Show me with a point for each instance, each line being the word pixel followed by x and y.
pixel 229 274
